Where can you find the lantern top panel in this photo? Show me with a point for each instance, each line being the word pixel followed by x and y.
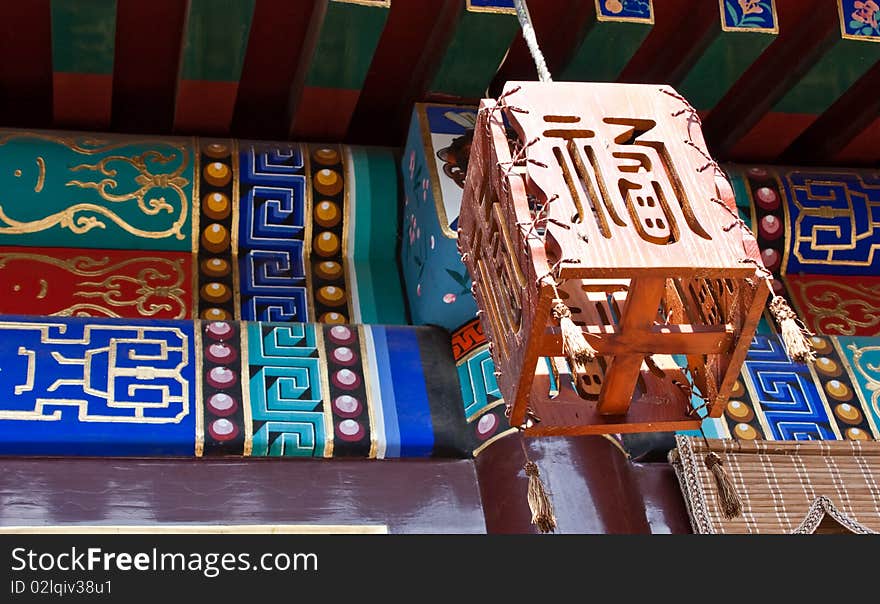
pixel 626 178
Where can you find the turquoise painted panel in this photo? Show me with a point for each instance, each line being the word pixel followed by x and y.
pixel 113 192
pixel 863 357
pixel 434 163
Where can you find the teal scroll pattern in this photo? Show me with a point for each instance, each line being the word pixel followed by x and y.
pixel 61 190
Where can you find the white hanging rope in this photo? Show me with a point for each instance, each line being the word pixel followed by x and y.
pixel 525 23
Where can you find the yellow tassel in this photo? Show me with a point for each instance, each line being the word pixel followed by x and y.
pixel 795 337
pixel 731 504
pixel 539 502
pixel 574 345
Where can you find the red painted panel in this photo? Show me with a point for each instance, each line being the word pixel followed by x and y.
pixel 837 306
pixel 148 41
pixel 204 107
pixel 324 113
pixel 275 45
pixel 772 135
pixel 25 63
pixel 82 100
pixel 98 283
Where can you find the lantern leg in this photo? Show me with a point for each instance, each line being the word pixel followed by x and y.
pixel 642 303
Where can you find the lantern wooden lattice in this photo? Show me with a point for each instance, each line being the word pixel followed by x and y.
pixel 604 194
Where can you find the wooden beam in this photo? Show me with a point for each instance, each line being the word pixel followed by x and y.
pixel 623 372
pixel 662 339
pixel 349 34
pixel 216 40
pixel 83 48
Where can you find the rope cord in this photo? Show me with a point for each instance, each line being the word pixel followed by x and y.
pixel 525 23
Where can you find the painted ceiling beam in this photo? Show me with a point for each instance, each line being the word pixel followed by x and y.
pixel 26 63
pixel 348 34
pixel 614 32
pixel 275 48
pixel 215 42
pixel 83 49
pixel 797 83
pixel 148 42
pixel 483 35
pixel 740 32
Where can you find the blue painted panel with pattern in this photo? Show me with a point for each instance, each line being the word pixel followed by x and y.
pixel 77 386
pixel 271 234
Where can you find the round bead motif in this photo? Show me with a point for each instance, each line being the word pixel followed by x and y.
pixel 486 425
pixel 331 295
pixel 221 353
pixel 215 314
pixel 222 429
pixel 326 244
pixel 341 334
pixel 222 404
pixel 847 413
pixel 326 156
pixel 215 267
pixel 216 205
pixel 332 318
pixel 329 270
pixel 745 431
pixel 215 150
pixel 327 214
pixel 327 182
pixel 217 174
pixel 222 377
pixel 215 238
pixel 344 356
pixel 219 330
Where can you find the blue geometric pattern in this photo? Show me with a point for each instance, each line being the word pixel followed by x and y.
pixel 285 390
pixel 96 387
pixel 271 235
pixel 269 164
pixel 786 392
pixel 479 388
pixel 835 222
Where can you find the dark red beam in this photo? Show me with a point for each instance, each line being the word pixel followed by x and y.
pixel 148 46
pixel 274 52
pixel 412 44
pixel 25 63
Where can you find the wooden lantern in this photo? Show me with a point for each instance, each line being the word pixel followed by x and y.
pixel 603 196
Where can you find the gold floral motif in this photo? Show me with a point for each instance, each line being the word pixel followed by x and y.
pixel 109 290
pixel 81 218
pixel 846 324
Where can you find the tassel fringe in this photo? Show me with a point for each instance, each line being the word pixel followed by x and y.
pixel 731 504
pixel 539 502
pixel 574 345
pixel 795 337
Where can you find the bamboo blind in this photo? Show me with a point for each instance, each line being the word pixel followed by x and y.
pixel 785 486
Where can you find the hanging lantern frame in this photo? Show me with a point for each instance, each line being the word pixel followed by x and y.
pixel 601 196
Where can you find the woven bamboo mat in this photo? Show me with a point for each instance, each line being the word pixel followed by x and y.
pixel 785 486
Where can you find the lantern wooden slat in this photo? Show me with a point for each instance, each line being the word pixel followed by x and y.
pixel 603 195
